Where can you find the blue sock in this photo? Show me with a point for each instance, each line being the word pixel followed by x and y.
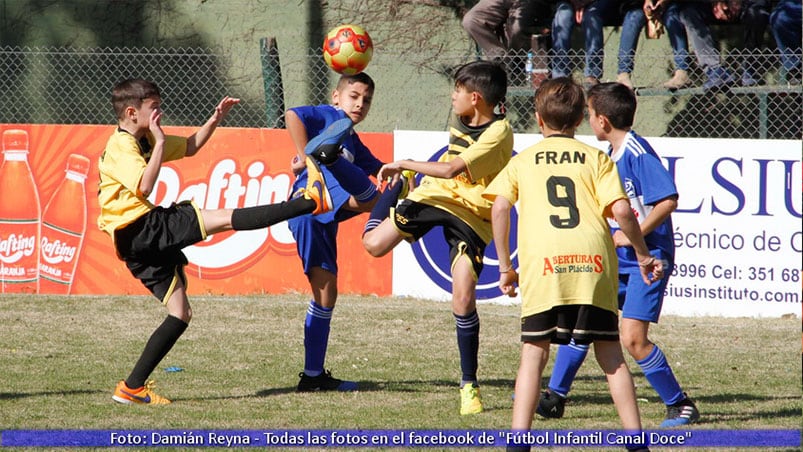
pixel 468 343
pixel 660 376
pixel 568 360
pixel 381 209
pixel 316 338
pixel 353 180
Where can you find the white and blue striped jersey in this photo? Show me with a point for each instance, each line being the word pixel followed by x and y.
pixel 646 182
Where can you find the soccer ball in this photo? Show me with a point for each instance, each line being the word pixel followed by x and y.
pixel 347 49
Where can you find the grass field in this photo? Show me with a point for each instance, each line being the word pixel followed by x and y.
pixel 60 358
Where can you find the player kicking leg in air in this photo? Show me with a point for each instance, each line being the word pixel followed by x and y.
pixel 327 129
pixel 150 239
pixel 480 145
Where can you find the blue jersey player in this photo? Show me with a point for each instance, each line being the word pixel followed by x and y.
pixel 653 197
pixel 316 236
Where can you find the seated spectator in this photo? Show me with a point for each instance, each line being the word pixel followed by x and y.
pixel 668 13
pixel 785 23
pixel 754 17
pixel 502 28
pixel 590 15
pixel 753 14
pixel 696 16
pixel 633 22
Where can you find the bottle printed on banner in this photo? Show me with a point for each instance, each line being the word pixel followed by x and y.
pixel 63 229
pixel 19 217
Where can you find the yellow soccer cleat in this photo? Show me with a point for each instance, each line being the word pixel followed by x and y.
pixel 470 402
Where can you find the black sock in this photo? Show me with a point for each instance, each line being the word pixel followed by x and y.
pixel 248 218
pixel 468 343
pixel 161 341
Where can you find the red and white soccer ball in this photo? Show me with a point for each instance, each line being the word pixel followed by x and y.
pixel 347 49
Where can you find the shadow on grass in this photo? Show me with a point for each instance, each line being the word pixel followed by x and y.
pixel 23 395
pixel 396 386
pixel 706 402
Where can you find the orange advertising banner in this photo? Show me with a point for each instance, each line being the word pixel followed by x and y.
pixel 50 242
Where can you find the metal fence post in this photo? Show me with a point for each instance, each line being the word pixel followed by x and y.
pixel 272 80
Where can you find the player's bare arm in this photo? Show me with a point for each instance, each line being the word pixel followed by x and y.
pixel 199 138
pixel 151 173
pixel 500 223
pixel 660 212
pixel 651 268
pixel 443 170
pixel 298 133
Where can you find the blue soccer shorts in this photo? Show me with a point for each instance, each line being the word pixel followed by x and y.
pixel 316 242
pixel 640 301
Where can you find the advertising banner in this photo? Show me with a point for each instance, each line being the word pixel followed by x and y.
pixel 737 228
pixel 50 242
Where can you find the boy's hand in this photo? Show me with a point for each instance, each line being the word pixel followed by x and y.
pixel 155 125
pixel 508 281
pixel 223 108
pixel 727 11
pixel 297 165
pixel 389 170
pixel 652 269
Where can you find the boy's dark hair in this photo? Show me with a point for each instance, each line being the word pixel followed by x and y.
pixel 615 101
pixel 561 103
pixel 360 77
pixel 485 77
pixel 131 93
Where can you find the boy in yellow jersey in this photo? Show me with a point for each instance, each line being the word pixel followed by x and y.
pixel 149 238
pixel 566 190
pixel 450 195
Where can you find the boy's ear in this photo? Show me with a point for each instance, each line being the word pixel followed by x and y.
pixel 475 97
pixel 604 122
pixel 335 97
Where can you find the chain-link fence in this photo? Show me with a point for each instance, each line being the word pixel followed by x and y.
pixel 72 86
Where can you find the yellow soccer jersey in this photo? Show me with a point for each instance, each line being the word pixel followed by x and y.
pixel 121 166
pixel 485 150
pixel 566 254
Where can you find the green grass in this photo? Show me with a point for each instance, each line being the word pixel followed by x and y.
pixel 60 358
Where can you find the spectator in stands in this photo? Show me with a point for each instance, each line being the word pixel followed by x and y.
pixel 695 17
pixel 752 14
pixel 502 29
pixel 668 13
pixel 754 17
pixel 633 22
pixel 785 23
pixel 590 15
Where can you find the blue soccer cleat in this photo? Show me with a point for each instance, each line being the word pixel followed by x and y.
pixel 325 147
pixel 682 413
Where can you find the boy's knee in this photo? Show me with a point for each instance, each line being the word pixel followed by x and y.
pixel 372 245
pixel 463 304
pixel 186 316
pixel 637 346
